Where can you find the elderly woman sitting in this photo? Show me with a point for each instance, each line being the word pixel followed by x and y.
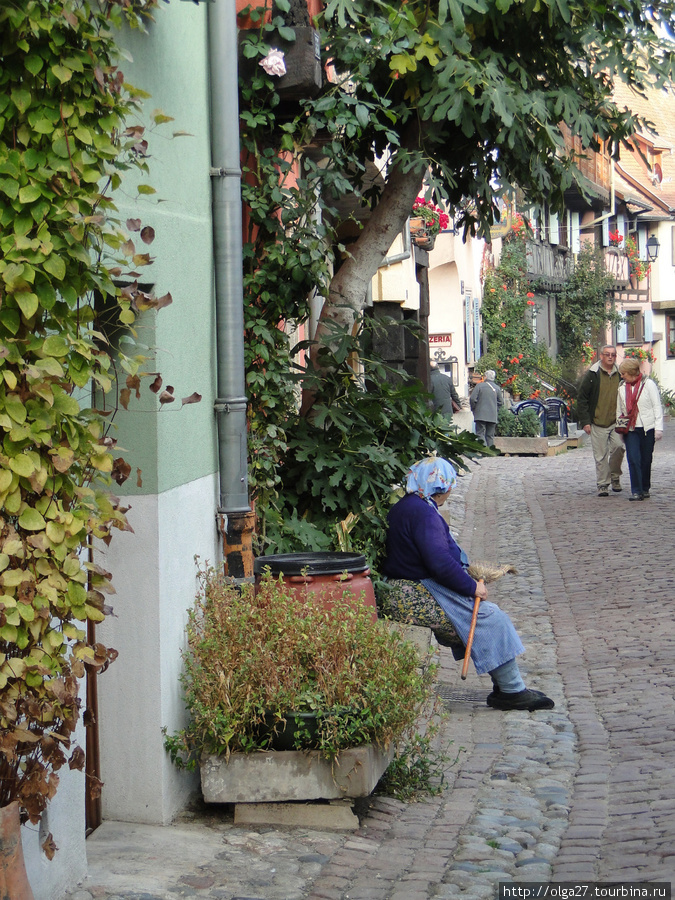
pixel 421 549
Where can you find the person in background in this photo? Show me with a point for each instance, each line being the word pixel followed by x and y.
pixel 636 391
pixel 421 550
pixel 596 408
pixel 485 400
pixel 446 398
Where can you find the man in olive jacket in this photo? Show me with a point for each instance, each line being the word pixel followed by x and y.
pixel 596 410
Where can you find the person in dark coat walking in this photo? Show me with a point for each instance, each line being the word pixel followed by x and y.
pixel 485 400
pixel 445 394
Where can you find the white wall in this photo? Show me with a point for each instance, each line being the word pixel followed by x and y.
pixel 453 263
pixel 155 579
pixel 662 284
pixel 64 818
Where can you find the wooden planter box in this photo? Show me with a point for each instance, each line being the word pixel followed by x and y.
pixel 282 775
pixel 522 446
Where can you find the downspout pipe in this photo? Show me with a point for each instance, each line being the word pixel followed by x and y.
pixel 230 405
pixel 235 518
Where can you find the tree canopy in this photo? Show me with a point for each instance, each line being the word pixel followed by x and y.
pixel 476 95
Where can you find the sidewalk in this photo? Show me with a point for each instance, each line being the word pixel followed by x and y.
pixel 581 792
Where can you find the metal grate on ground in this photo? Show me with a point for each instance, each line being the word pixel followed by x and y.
pixel 452 694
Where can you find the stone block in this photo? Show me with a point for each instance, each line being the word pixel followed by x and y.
pixel 522 446
pixel 334 816
pixel 281 775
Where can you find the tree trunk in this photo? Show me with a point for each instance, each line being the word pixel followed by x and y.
pixel 349 287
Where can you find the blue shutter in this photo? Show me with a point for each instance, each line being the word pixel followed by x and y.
pixel 576 233
pixel 605 232
pixel 649 326
pixel 555 229
pixel 622 333
pixel 621 225
pixel 476 329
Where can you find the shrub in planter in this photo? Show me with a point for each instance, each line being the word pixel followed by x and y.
pixel 507 423
pixel 255 658
pixel 528 424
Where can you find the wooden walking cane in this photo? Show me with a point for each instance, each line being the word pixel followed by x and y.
pixel 469 640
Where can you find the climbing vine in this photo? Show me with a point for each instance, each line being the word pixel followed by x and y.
pixel 69 133
pixel 583 310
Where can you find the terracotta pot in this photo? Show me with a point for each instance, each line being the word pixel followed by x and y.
pixel 326 576
pixel 14 883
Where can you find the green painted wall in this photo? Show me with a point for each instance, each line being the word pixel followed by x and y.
pixel 173 445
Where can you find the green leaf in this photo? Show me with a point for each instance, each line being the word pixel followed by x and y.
pixel 9 187
pixel 16 409
pixel 11 319
pixel 62 73
pixel 22 465
pixel 29 193
pixel 33 63
pixel 8 633
pixel 55 345
pixel 21 98
pixel 28 304
pixel 55 266
pixel 31 520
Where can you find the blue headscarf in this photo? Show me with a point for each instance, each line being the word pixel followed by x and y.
pixel 431 476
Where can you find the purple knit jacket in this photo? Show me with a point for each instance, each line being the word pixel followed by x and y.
pixel 419 545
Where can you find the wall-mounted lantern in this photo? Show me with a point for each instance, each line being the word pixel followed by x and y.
pixel 653 247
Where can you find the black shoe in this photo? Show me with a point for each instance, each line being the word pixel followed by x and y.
pixel 526 699
pixel 645 495
pixel 616 486
pixel 637 497
pixel 603 492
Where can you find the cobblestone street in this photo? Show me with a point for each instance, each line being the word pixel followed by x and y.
pixel 581 792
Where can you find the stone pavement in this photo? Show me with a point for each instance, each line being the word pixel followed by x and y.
pixel 582 792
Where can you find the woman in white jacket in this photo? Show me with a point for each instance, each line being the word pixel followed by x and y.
pixel 648 425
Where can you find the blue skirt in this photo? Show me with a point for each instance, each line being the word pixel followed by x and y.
pixel 495 639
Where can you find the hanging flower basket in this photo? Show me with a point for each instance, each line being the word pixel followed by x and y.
pixel 420 234
pixel 426 222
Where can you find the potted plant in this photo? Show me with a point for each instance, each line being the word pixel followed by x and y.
pixel 644 355
pixel 639 268
pixel 426 222
pixel 268 663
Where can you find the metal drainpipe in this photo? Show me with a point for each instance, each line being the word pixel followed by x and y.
pixel 234 513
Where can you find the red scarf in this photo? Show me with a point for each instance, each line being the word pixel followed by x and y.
pixel 631 394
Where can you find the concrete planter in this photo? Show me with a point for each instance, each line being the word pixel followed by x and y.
pixel 522 446
pixel 282 775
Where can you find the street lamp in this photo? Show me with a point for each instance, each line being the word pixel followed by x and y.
pixel 653 247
